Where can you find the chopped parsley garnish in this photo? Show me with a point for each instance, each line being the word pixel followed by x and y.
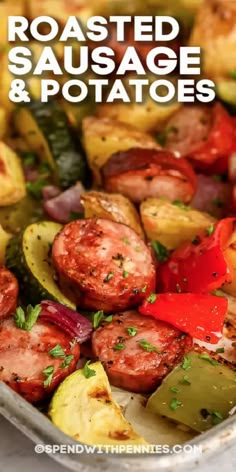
pixel 174 404
pixel 186 364
pixel 108 277
pixel 44 168
pixel 35 188
pixel 179 204
pixel 29 158
pixel 118 347
pixel 56 351
pixel 152 298
pixel 131 330
pixel 207 358
pixel 185 380
pixel 217 202
pixel 67 361
pixel 87 371
pixel 126 241
pixel 217 417
pixel 210 230
pixel 76 215
pixel 161 252
pixel 97 318
pixel 174 389
pixel 162 137
pixel 218 293
pixel 48 372
pixel 220 350
pixel 138 249
pixel 125 274
pixel 148 347
pixel 108 319
pixel 232 74
pixel 27 320
pixel 196 240
pixel 143 290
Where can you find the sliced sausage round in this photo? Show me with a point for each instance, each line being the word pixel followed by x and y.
pixel 8 293
pixel 24 356
pixel 137 351
pixel 203 134
pixel 103 265
pixel 142 173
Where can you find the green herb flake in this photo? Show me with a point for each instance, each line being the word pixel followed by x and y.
pixel 210 230
pixel 143 290
pixel 138 249
pixel 174 389
pixel 174 404
pixel 131 330
pixel 27 320
pixel 218 293
pixel 67 361
pixel 207 358
pixel 161 252
pixel 87 371
pixel 162 137
pixel 148 347
pixel 125 274
pixel 35 188
pixel 217 417
pixel 186 364
pixel 76 215
pixel 179 204
pixel 48 373
pixel 108 319
pixel 220 350
pixel 217 178
pixel 97 318
pixel 185 380
pixel 232 74
pixel 29 159
pixel 118 347
pixel 152 298
pixel 108 277
pixel 56 351
pixel 217 202
pixel 126 241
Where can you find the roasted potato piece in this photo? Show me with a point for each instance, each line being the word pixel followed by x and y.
pixel 84 409
pixel 215 33
pixel 12 182
pixel 59 9
pixel 231 255
pixel 199 397
pixel 103 137
pixel 24 212
pixel 113 207
pixel 172 224
pixel 4 238
pixel 9 8
pixel 147 116
pixel 3 122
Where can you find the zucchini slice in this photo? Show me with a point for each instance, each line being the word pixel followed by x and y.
pixel 28 257
pixel 44 126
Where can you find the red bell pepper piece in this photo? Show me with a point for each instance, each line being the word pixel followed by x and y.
pixel 201 316
pixel 200 265
pixel 218 144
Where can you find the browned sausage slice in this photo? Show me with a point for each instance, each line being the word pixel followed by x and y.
pixel 142 173
pixel 103 265
pixel 8 293
pixel 137 351
pixel 24 356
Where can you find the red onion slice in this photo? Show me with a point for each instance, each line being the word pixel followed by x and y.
pixel 68 320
